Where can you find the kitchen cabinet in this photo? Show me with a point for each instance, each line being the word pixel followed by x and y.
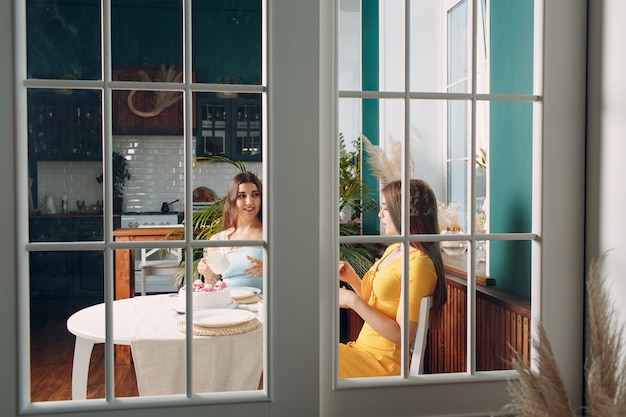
pixel 229 126
pixel 67 273
pixel 65 125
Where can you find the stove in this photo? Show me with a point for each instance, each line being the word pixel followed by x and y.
pixel 148 219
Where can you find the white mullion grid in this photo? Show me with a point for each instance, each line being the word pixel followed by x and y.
pixel 187 37
pixel 406 194
pixel 107 147
pixel 471 172
pixel 537 158
pixel 21 149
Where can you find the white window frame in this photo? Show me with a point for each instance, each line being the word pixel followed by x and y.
pixel 301 345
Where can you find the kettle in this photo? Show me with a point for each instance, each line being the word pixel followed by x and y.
pixel 165 207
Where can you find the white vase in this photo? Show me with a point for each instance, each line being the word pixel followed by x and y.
pixel 453 247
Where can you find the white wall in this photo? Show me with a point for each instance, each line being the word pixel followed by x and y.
pixel 157 172
pixel 606 223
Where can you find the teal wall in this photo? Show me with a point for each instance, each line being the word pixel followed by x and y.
pixel 371 116
pixel 510 153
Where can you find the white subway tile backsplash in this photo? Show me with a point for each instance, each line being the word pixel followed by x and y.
pixel 157 175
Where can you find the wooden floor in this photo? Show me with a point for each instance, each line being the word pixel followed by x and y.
pixel 52 351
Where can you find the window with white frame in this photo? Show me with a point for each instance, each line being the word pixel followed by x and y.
pixel 421 100
pixel 124 102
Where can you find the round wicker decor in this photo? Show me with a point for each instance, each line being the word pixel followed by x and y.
pixel 240 328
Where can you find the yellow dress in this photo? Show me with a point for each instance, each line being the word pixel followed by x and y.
pixel 372 354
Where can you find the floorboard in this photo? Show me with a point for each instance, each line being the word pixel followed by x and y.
pixel 52 351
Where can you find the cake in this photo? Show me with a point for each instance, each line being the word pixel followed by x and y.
pixel 207 295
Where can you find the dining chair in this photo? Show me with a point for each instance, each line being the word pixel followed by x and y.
pixel 419 344
pixel 152 263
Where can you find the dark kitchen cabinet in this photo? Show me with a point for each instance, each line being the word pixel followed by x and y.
pixel 67 273
pixel 65 125
pixel 229 126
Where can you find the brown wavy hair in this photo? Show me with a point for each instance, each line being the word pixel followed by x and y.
pixel 422 220
pixel 229 218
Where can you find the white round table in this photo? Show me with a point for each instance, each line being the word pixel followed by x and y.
pixel 88 325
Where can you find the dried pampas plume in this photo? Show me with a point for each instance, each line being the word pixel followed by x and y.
pixel 606 373
pixel 542 393
pixel 386 168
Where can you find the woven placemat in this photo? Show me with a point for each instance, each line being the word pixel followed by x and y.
pixel 240 328
pixel 251 299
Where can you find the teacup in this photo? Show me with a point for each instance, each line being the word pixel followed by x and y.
pixel 218 262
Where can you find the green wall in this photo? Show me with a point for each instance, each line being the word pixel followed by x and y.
pixel 510 153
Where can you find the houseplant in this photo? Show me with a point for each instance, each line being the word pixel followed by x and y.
pixel 354 199
pixel 121 175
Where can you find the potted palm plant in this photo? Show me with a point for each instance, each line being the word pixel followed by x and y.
pixel 121 175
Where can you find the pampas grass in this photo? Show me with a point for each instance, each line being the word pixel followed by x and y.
pixel 386 167
pixel 542 392
pixel 606 373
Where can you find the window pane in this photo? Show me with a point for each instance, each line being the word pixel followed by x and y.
pixel 65 162
pixel 63 39
pixel 440 47
pixel 503 315
pixel 145 35
pixel 509 33
pixel 61 283
pixel 227 42
pixel 371 46
pixel 508 166
pixel 228 125
pixel 364 122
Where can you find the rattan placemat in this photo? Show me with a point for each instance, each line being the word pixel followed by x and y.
pixel 240 328
pixel 251 299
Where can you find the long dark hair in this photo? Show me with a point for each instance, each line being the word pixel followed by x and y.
pixel 422 220
pixel 230 202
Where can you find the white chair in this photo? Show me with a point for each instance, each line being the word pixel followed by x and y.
pixel 153 264
pixel 419 344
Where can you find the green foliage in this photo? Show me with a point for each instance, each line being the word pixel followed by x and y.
pixel 121 174
pixel 354 198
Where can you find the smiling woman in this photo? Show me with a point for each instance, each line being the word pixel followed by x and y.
pixel 242 220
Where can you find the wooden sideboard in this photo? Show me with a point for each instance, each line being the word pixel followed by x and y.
pixel 125 258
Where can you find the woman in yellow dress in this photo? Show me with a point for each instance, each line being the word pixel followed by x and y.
pixel 376 298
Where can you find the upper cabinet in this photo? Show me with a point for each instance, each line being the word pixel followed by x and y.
pixel 229 125
pixel 65 125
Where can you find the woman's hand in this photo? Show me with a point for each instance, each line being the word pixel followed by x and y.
pixel 348 275
pixel 206 272
pixel 347 298
pixel 257 267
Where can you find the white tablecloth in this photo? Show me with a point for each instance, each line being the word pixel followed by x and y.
pixel 220 363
